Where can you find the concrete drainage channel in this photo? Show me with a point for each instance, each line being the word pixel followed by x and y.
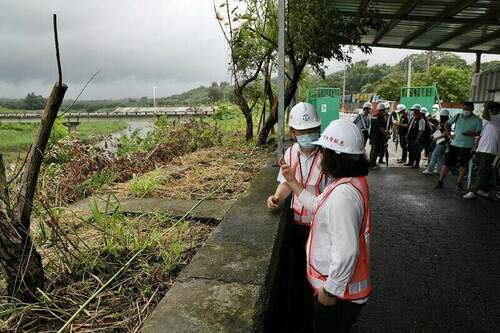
pixel 234 283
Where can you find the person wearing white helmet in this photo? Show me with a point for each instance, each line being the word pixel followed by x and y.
pixel 435 109
pixel 378 135
pixel 418 134
pixel 338 247
pixel 431 126
pixel 305 127
pixel 402 122
pixel 362 120
pixel 440 137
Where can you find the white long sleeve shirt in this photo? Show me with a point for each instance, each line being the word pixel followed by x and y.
pixel 335 246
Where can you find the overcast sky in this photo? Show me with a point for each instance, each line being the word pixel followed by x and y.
pixel 174 45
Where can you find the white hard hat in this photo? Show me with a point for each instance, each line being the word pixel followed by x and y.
pixel 444 113
pixel 435 107
pixel 416 107
pixel 400 107
pixel 342 136
pixel 368 105
pixel 381 106
pixel 424 110
pixel 303 116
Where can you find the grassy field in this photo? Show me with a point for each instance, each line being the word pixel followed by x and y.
pixel 5 110
pixel 15 138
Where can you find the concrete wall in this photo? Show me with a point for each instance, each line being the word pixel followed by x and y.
pixel 235 282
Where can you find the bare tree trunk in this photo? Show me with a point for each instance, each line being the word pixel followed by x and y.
pixel 291 89
pixel 19 258
pixel 246 110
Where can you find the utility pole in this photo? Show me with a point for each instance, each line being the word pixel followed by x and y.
pixel 154 98
pixel 427 69
pixel 408 82
pixel 343 90
pixel 281 77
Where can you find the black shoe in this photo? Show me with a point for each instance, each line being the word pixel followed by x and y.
pixel 408 164
pixel 415 167
pixel 459 186
pixel 439 185
pixel 381 162
pixel 401 161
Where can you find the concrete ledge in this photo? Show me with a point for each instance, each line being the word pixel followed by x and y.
pixel 210 209
pixel 228 285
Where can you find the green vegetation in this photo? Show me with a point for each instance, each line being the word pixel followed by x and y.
pixel 144 185
pixel 450 72
pixel 85 130
pixel 15 138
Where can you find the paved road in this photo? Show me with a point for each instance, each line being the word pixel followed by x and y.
pixel 435 258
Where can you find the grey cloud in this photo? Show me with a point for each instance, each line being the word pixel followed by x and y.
pixel 172 44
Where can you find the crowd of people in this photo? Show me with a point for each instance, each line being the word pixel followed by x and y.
pixel 325 175
pixel 447 143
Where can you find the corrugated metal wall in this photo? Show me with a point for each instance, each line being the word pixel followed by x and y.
pixel 484 86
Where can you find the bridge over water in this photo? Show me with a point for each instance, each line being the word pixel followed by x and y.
pixel 73 119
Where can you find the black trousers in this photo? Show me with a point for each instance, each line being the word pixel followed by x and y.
pixel 300 291
pixel 365 135
pixel 403 141
pixel 377 149
pixel 415 150
pixel 335 319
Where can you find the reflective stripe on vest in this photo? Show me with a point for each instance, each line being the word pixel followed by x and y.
pixel 359 286
pixel 310 180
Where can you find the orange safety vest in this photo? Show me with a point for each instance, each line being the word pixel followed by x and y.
pixel 359 286
pixel 310 180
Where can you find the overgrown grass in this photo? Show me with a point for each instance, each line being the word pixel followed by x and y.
pixel 146 184
pixel 16 137
pixel 6 110
pixel 81 255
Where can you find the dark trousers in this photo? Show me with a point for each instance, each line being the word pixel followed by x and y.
pixel 484 172
pixel 335 319
pixel 365 135
pixel 300 291
pixel 403 141
pixel 377 149
pixel 415 151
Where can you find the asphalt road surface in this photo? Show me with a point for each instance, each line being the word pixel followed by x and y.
pixel 435 257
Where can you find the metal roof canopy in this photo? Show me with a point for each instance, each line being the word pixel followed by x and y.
pixel 436 25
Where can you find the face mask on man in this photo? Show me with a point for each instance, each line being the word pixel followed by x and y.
pixel 306 141
pixel 467 113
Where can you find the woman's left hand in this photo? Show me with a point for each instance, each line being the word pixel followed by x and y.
pixel 288 171
pixel 324 299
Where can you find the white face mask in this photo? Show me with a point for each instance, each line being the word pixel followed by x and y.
pixel 467 113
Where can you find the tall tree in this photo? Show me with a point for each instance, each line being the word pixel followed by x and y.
pixel 316 33
pixel 247 53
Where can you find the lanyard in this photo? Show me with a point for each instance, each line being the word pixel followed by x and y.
pixel 310 169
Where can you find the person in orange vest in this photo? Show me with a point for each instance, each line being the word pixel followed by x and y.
pixel 338 246
pixel 305 127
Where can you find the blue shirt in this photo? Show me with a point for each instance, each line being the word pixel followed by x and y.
pixel 462 125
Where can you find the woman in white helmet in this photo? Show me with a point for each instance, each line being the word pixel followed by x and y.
pixel 305 127
pixel 338 244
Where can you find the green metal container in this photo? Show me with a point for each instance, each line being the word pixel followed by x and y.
pixel 327 104
pixel 425 96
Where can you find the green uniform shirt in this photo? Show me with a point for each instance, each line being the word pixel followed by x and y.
pixel 462 125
